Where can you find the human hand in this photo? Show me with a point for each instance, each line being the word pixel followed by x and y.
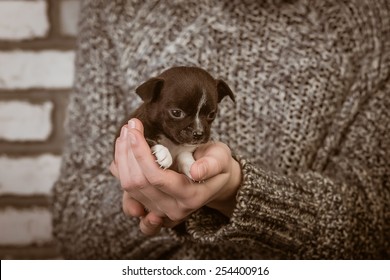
pixel 170 196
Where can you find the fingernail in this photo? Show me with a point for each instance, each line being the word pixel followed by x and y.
pixel 123 132
pixel 201 171
pixel 155 223
pixel 132 138
pixel 131 123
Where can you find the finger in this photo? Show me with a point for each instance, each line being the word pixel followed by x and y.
pixel 143 156
pixel 137 124
pixel 205 168
pixel 212 159
pixel 114 170
pixel 131 207
pixel 150 224
pixel 121 152
pixel 128 170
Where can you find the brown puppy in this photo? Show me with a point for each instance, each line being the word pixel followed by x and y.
pixel 178 108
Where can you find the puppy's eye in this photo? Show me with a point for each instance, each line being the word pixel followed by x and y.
pixel 211 115
pixel 177 113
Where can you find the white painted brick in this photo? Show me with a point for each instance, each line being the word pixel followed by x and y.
pixel 23 227
pixel 43 69
pixel 23 20
pixel 23 121
pixel 69 16
pixel 29 175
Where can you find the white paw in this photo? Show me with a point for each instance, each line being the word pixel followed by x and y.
pixel 163 156
pixel 185 161
pixel 186 171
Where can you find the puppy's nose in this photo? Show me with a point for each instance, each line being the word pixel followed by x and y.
pixel 197 134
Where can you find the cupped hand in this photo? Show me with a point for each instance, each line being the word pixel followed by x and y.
pixel 164 198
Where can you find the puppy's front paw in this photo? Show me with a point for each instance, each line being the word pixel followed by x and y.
pixel 186 171
pixel 185 161
pixel 163 156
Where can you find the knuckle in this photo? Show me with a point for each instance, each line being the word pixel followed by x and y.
pixel 175 216
pixel 182 211
pixel 190 204
pixel 224 148
pixel 125 185
pixel 156 180
pixel 125 210
pixel 136 182
pixel 129 209
pixel 149 228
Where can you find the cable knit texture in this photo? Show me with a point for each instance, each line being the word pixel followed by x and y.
pixel 310 126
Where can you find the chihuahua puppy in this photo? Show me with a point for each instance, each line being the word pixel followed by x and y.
pixel 178 109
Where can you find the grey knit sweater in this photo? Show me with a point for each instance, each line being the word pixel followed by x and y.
pixel 310 126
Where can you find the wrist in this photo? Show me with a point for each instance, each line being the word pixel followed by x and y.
pixel 226 201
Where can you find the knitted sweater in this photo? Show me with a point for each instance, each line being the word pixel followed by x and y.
pixel 310 127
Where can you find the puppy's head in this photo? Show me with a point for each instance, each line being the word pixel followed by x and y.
pixel 182 102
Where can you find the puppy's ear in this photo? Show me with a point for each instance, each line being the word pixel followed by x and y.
pixel 224 90
pixel 150 90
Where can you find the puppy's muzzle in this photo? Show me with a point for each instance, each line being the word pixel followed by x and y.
pixel 197 135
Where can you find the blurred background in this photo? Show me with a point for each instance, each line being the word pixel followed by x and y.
pixel 37 42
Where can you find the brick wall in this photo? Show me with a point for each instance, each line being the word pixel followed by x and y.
pixel 37 41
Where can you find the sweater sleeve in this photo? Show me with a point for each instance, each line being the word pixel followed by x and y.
pixel 341 211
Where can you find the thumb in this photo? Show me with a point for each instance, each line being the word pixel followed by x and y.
pixel 137 124
pixel 205 168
